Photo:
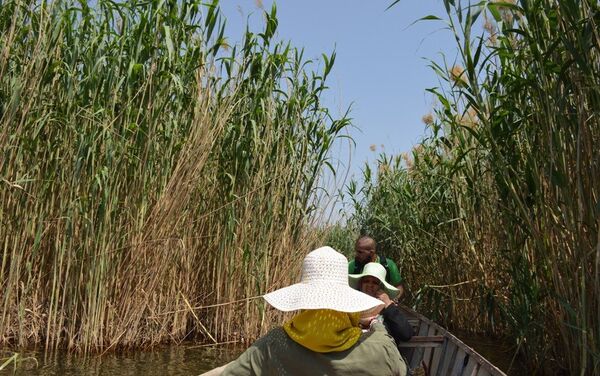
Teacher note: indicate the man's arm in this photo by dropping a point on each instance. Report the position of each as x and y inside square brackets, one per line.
[400, 288]
[395, 277]
[351, 267]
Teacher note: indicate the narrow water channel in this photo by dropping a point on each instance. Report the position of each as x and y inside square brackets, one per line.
[187, 360]
[169, 361]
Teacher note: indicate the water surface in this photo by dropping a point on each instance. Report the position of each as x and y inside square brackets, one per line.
[194, 360]
[173, 360]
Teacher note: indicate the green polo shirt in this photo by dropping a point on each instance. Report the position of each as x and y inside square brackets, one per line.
[393, 274]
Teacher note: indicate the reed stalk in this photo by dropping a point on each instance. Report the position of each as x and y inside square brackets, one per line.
[149, 170]
[494, 216]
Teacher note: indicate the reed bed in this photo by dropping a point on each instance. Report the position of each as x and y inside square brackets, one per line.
[154, 179]
[494, 216]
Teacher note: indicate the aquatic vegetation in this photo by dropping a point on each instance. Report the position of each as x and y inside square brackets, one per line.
[494, 218]
[150, 171]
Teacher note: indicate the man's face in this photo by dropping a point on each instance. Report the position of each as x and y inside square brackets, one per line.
[365, 250]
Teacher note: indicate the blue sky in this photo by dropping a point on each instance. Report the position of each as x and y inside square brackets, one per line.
[381, 68]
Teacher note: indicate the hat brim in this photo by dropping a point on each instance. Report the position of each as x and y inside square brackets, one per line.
[321, 296]
[354, 279]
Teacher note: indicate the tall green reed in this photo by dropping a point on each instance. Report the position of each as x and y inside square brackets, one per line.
[151, 173]
[505, 188]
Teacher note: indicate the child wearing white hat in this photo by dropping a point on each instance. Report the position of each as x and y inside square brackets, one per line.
[372, 282]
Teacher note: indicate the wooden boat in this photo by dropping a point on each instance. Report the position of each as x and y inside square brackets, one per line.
[436, 352]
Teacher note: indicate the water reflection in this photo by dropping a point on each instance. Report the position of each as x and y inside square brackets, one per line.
[173, 360]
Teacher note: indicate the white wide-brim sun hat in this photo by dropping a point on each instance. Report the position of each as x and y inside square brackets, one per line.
[324, 285]
[374, 269]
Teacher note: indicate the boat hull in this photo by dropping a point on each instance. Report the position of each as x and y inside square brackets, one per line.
[439, 353]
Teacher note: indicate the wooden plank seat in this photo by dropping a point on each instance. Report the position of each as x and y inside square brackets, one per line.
[423, 341]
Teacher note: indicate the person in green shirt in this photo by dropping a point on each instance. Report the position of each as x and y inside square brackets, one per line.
[365, 249]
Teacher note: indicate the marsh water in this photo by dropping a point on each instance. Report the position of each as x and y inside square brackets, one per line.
[169, 361]
[188, 360]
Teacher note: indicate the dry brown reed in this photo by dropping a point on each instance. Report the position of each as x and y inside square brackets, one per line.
[496, 224]
[152, 182]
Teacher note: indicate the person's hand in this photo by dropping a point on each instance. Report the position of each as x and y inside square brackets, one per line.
[373, 311]
[365, 322]
[385, 298]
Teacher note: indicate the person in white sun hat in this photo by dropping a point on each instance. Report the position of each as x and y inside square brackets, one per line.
[324, 337]
[372, 282]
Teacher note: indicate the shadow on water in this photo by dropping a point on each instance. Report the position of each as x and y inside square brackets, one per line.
[172, 360]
